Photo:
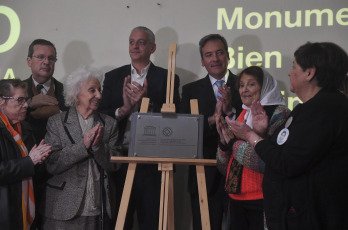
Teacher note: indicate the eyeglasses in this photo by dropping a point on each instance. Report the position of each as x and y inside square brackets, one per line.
[42, 58]
[20, 100]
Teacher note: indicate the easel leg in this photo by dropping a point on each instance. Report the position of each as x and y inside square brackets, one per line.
[203, 198]
[125, 196]
[166, 215]
[160, 221]
[171, 202]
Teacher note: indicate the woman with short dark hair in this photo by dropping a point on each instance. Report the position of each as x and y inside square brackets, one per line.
[17, 203]
[305, 183]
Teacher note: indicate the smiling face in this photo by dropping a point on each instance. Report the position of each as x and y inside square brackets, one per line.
[42, 70]
[215, 58]
[249, 89]
[140, 47]
[90, 95]
[14, 111]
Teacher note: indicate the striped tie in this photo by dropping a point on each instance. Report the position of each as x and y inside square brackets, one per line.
[218, 84]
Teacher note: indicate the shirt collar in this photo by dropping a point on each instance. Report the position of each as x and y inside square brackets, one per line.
[142, 72]
[225, 78]
[46, 85]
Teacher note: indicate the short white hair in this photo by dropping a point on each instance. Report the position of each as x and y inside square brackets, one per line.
[74, 82]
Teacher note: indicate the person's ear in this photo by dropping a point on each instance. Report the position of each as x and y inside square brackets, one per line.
[29, 60]
[2, 101]
[311, 73]
[153, 48]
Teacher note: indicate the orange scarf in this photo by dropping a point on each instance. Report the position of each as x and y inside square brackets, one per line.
[28, 201]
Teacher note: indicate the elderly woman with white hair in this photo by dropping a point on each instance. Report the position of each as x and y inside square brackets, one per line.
[78, 196]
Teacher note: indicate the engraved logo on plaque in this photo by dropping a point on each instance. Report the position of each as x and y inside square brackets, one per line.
[149, 131]
[167, 131]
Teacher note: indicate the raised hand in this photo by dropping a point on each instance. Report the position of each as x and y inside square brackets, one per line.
[93, 136]
[226, 99]
[135, 92]
[260, 119]
[40, 152]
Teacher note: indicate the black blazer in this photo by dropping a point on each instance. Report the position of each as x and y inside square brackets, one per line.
[156, 91]
[13, 169]
[305, 181]
[203, 91]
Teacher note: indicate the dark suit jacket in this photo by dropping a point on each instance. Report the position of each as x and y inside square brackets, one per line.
[39, 125]
[203, 91]
[113, 90]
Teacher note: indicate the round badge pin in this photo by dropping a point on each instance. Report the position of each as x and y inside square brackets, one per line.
[282, 136]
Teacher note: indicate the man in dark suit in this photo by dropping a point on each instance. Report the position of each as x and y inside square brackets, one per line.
[123, 90]
[214, 54]
[45, 92]
[46, 99]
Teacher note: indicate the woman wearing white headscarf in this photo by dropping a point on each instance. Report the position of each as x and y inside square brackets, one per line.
[237, 158]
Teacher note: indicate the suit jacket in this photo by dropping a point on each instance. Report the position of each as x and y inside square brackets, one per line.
[203, 91]
[68, 163]
[39, 125]
[13, 169]
[157, 88]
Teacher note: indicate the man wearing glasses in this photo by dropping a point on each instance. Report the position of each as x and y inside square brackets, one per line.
[45, 92]
[45, 99]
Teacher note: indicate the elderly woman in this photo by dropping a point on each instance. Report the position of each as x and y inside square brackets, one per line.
[237, 158]
[78, 195]
[17, 203]
[305, 182]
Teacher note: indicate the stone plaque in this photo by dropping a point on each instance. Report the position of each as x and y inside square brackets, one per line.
[166, 135]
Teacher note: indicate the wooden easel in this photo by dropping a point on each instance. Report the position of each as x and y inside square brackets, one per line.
[165, 165]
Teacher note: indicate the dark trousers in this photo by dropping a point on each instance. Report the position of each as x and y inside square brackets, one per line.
[246, 215]
[217, 202]
[145, 197]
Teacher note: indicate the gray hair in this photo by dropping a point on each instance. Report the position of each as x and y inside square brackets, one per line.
[150, 34]
[74, 82]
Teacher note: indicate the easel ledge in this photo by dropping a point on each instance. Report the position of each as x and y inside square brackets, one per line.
[147, 160]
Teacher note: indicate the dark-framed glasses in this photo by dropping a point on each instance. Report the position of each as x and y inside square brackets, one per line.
[43, 57]
[20, 100]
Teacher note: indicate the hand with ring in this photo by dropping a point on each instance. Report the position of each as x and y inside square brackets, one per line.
[40, 152]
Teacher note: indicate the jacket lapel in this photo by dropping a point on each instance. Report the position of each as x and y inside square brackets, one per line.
[73, 125]
[210, 96]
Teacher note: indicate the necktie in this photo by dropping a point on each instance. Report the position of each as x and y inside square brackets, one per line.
[218, 84]
[39, 87]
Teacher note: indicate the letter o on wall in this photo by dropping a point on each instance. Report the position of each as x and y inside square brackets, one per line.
[15, 28]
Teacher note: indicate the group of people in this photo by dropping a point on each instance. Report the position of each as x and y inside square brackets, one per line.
[277, 169]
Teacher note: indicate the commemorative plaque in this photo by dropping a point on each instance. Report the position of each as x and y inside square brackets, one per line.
[166, 135]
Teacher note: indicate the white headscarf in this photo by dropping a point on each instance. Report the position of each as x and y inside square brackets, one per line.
[270, 95]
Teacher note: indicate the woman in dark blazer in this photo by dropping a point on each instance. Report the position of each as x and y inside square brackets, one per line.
[80, 192]
[17, 203]
[305, 182]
